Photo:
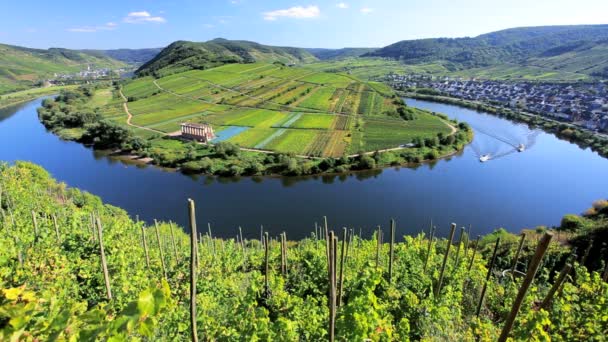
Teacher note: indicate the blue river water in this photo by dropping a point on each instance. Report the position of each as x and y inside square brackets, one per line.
[513, 190]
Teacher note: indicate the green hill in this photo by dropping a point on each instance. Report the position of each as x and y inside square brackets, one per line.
[575, 49]
[129, 56]
[22, 67]
[183, 56]
[329, 54]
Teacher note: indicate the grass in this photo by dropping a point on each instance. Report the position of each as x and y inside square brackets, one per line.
[257, 118]
[252, 137]
[314, 121]
[320, 99]
[101, 98]
[386, 133]
[293, 140]
[140, 88]
[29, 94]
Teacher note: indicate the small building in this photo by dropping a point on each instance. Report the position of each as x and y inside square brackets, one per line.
[199, 132]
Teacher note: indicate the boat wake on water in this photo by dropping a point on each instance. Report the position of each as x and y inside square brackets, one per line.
[516, 144]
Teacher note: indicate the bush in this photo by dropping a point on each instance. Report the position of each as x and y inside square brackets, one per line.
[572, 223]
[367, 162]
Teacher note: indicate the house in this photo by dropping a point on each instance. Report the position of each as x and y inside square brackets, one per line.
[199, 132]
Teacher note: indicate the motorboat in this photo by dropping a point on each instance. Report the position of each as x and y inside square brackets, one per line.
[521, 148]
[484, 158]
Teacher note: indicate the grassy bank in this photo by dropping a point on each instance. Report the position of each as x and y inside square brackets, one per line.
[74, 268]
[10, 99]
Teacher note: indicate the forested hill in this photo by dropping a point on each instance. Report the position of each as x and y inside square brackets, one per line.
[130, 56]
[328, 54]
[22, 67]
[183, 55]
[547, 46]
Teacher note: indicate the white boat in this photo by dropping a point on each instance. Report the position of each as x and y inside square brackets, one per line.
[484, 158]
[521, 148]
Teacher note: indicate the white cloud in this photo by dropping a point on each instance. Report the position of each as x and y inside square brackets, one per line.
[106, 27]
[366, 10]
[143, 17]
[297, 12]
[342, 5]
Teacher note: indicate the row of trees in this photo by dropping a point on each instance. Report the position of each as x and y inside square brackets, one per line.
[68, 111]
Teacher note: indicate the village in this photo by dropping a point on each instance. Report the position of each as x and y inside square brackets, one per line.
[90, 73]
[583, 104]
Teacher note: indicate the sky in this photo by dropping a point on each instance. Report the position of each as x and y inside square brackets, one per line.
[113, 24]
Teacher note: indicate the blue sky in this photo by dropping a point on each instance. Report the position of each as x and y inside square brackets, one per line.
[330, 24]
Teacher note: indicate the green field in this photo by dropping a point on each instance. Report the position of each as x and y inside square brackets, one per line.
[287, 109]
[380, 133]
[30, 94]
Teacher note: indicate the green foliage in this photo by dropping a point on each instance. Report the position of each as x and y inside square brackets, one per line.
[546, 52]
[53, 287]
[182, 56]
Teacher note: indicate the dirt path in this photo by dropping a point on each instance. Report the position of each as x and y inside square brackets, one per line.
[130, 116]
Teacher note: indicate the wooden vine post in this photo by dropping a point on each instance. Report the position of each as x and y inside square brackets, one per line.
[474, 252]
[558, 283]
[145, 243]
[283, 253]
[193, 265]
[391, 252]
[445, 261]
[462, 229]
[326, 236]
[523, 290]
[587, 251]
[104, 264]
[428, 252]
[160, 250]
[516, 259]
[332, 244]
[488, 275]
[266, 268]
[56, 228]
[211, 241]
[35, 222]
[242, 241]
[173, 242]
[342, 260]
[379, 241]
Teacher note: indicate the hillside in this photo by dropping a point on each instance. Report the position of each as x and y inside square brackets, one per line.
[21, 67]
[73, 268]
[574, 49]
[183, 56]
[129, 56]
[330, 54]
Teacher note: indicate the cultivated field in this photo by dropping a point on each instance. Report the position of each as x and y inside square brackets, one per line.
[270, 107]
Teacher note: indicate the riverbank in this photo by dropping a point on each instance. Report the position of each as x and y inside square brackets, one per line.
[363, 198]
[563, 130]
[19, 97]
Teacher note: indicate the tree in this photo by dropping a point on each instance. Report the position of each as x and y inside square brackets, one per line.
[225, 149]
[572, 223]
[367, 162]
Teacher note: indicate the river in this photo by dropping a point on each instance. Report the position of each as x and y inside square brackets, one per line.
[513, 190]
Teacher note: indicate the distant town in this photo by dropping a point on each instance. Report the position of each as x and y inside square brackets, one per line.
[583, 104]
[90, 73]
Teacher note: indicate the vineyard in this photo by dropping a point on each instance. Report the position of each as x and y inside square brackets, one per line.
[72, 268]
[257, 96]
